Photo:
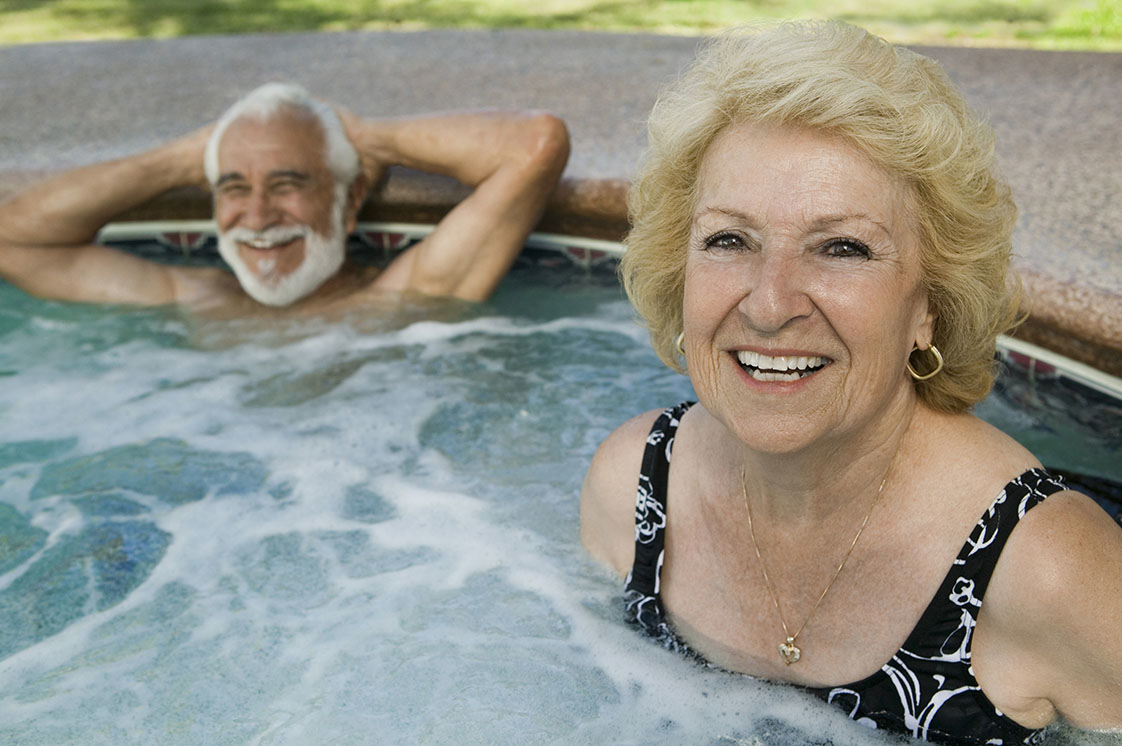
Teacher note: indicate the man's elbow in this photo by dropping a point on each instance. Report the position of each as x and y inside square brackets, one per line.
[547, 143]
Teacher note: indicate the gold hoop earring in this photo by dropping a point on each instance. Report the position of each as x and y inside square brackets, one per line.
[678, 343]
[938, 364]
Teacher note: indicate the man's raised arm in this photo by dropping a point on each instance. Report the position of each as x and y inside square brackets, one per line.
[512, 159]
[47, 231]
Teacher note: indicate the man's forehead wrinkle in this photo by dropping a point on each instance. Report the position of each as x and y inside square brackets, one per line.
[277, 173]
[289, 173]
[299, 119]
[289, 158]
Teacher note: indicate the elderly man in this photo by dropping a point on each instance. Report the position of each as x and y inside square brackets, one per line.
[289, 174]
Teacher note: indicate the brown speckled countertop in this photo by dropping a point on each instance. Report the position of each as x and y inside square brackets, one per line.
[1056, 114]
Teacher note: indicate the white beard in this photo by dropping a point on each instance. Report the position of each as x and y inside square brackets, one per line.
[323, 256]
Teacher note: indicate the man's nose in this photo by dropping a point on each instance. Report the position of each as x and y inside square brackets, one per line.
[260, 211]
[775, 291]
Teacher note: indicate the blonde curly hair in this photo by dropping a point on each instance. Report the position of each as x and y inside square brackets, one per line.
[897, 107]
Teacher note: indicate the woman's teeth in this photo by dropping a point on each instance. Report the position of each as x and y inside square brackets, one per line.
[780, 368]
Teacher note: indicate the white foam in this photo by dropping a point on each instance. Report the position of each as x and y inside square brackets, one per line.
[405, 566]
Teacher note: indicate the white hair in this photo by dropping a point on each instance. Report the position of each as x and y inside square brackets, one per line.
[266, 102]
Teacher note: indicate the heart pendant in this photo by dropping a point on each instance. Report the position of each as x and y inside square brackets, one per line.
[790, 651]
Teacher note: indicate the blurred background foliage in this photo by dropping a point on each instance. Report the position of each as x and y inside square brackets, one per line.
[1037, 24]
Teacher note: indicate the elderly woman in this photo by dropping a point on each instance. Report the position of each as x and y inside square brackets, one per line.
[820, 235]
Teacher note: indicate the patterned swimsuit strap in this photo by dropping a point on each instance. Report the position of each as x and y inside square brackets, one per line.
[650, 501]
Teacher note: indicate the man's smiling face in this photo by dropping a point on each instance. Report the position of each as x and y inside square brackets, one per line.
[278, 207]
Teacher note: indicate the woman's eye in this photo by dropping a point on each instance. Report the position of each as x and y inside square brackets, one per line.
[724, 242]
[846, 247]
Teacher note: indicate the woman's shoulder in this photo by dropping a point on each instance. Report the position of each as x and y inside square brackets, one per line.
[1048, 642]
[628, 440]
[970, 457]
[1057, 547]
[625, 444]
[607, 503]
[1063, 547]
[1041, 648]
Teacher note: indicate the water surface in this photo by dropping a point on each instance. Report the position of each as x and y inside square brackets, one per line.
[335, 533]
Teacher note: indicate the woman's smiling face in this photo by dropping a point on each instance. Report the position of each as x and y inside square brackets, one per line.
[803, 287]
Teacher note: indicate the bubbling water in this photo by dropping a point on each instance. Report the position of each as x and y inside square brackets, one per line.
[323, 533]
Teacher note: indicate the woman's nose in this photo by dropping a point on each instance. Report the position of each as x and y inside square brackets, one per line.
[775, 291]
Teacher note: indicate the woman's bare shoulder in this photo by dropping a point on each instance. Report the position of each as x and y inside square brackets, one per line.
[971, 458]
[607, 505]
[1048, 614]
[1058, 546]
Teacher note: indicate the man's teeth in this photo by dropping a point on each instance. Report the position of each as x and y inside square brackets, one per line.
[780, 368]
[269, 239]
[263, 243]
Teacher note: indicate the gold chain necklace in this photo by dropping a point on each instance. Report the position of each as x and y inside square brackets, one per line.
[788, 650]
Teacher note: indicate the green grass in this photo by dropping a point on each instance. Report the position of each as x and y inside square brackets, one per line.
[1038, 24]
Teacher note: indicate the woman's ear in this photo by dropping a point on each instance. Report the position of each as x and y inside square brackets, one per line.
[925, 331]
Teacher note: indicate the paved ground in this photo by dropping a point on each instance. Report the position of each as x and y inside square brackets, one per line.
[1056, 115]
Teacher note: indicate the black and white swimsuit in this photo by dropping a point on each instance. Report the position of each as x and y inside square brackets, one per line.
[928, 688]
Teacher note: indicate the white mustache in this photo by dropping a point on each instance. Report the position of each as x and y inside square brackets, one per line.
[269, 237]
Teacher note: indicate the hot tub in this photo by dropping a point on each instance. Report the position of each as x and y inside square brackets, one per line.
[365, 531]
